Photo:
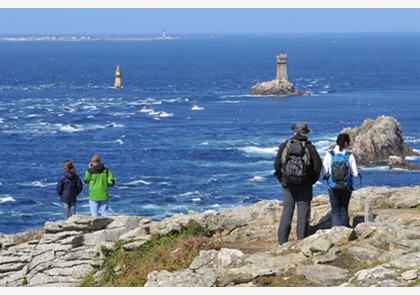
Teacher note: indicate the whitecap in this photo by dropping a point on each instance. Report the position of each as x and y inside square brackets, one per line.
[90, 107]
[38, 183]
[33, 116]
[196, 200]
[6, 198]
[230, 101]
[189, 194]
[259, 150]
[413, 158]
[136, 182]
[119, 141]
[257, 179]
[68, 128]
[377, 168]
[197, 108]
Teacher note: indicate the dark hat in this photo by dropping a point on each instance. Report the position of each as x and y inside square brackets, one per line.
[301, 128]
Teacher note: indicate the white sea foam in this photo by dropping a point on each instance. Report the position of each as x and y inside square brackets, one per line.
[197, 108]
[230, 101]
[259, 150]
[68, 128]
[189, 194]
[38, 183]
[33, 116]
[196, 200]
[119, 141]
[413, 158]
[377, 168]
[136, 182]
[90, 107]
[6, 198]
[257, 179]
[411, 139]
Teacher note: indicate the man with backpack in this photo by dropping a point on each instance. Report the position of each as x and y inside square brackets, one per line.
[297, 167]
[338, 168]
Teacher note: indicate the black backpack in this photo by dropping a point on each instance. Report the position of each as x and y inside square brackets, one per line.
[296, 163]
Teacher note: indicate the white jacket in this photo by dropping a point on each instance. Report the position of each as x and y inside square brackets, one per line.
[326, 163]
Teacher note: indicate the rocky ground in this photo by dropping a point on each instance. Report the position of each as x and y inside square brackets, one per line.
[384, 244]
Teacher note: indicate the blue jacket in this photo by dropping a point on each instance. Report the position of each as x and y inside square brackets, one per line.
[69, 186]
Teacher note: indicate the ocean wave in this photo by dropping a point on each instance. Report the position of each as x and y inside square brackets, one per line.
[90, 107]
[6, 198]
[259, 150]
[38, 183]
[413, 158]
[137, 182]
[70, 128]
[196, 200]
[257, 179]
[189, 194]
[229, 101]
[119, 141]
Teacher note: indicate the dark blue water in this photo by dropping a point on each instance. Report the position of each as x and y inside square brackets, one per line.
[58, 102]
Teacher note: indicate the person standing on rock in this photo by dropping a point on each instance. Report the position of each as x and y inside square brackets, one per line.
[340, 191]
[69, 186]
[99, 178]
[297, 167]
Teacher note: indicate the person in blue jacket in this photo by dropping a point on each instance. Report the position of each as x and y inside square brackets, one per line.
[69, 186]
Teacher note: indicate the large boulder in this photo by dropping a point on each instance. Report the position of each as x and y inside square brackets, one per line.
[377, 140]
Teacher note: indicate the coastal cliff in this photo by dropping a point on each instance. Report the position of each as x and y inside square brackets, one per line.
[384, 242]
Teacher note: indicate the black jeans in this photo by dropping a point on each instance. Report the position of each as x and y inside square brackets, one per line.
[302, 196]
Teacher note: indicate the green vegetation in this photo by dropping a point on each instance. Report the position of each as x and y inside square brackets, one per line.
[171, 252]
[25, 282]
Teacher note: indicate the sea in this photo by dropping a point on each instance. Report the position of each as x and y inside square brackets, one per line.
[183, 134]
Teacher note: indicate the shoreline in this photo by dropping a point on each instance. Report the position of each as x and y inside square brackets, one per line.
[82, 38]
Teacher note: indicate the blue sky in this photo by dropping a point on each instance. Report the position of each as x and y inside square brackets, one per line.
[142, 21]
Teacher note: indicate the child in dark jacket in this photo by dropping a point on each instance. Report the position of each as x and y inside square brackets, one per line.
[69, 186]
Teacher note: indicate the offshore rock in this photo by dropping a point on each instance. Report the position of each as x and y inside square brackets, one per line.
[276, 88]
[378, 140]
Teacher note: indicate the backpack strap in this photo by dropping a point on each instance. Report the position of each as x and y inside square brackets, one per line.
[285, 150]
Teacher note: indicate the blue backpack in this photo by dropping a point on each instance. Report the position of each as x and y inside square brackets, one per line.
[340, 176]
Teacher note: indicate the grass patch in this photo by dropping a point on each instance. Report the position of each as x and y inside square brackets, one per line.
[171, 252]
[288, 278]
[348, 262]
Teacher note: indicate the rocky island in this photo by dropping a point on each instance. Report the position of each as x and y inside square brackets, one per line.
[279, 86]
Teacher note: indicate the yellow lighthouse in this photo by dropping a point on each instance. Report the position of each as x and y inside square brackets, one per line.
[117, 83]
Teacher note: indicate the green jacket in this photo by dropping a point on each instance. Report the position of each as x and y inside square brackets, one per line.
[99, 178]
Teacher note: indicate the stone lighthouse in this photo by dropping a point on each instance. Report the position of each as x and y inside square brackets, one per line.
[282, 67]
[117, 83]
[280, 86]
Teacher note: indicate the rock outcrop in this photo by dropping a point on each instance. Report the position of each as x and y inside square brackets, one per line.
[378, 140]
[385, 237]
[276, 88]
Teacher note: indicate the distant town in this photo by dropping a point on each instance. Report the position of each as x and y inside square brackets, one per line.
[86, 38]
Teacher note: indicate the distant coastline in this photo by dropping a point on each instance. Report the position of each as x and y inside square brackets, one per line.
[83, 38]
